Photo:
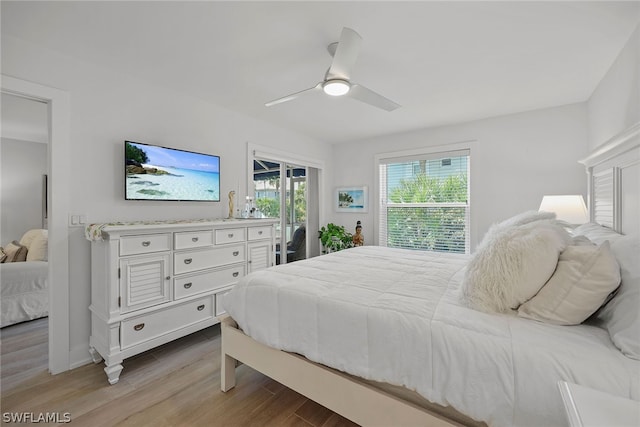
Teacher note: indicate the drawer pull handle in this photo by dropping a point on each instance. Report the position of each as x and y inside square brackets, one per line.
[201, 307]
[236, 253]
[260, 233]
[230, 235]
[188, 260]
[138, 327]
[194, 239]
[235, 274]
[188, 285]
[146, 243]
[168, 277]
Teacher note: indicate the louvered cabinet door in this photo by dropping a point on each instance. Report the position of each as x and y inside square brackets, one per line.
[144, 282]
[259, 255]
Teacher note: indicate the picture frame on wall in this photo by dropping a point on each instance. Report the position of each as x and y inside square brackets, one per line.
[352, 199]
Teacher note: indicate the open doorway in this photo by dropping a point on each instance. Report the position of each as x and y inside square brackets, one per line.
[58, 165]
[23, 235]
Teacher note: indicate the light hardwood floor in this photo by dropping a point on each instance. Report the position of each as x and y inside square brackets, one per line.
[177, 384]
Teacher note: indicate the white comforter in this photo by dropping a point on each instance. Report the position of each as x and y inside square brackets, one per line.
[23, 291]
[393, 316]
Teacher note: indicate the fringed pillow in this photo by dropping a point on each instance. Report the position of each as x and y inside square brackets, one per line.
[512, 263]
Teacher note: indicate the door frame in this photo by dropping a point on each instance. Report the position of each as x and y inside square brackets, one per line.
[267, 153]
[58, 170]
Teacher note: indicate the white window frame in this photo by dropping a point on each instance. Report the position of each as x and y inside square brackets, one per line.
[435, 151]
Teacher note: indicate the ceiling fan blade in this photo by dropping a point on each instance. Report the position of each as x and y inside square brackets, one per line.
[368, 96]
[292, 96]
[345, 56]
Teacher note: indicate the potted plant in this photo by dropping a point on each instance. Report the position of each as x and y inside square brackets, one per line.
[335, 238]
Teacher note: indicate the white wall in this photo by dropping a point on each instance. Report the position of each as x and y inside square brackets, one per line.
[615, 104]
[22, 165]
[108, 107]
[515, 161]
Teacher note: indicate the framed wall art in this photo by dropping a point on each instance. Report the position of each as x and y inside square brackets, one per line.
[351, 199]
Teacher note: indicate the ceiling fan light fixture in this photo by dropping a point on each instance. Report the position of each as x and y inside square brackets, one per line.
[336, 87]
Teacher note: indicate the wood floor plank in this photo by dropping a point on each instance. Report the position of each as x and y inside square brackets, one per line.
[336, 420]
[177, 384]
[313, 413]
[277, 409]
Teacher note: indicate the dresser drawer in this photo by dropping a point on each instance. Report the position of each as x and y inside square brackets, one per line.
[230, 235]
[144, 328]
[193, 239]
[257, 233]
[144, 244]
[208, 281]
[186, 262]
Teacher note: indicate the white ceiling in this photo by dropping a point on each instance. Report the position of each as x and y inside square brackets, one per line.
[444, 62]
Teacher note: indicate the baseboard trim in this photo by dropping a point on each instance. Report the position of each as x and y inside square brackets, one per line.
[79, 356]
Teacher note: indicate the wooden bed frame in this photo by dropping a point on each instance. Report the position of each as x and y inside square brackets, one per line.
[613, 171]
[343, 394]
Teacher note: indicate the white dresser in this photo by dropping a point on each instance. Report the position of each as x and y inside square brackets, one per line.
[154, 282]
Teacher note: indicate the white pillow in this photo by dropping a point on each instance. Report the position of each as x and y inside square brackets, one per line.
[581, 241]
[511, 264]
[621, 315]
[584, 278]
[596, 233]
[38, 250]
[31, 235]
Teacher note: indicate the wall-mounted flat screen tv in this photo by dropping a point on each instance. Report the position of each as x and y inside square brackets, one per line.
[160, 173]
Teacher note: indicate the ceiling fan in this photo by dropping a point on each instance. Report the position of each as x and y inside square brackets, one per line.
[337, 80]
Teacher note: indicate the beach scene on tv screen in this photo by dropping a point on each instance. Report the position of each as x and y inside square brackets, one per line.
[159, 173]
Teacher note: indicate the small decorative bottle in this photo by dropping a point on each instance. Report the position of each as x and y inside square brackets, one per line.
[358, 238]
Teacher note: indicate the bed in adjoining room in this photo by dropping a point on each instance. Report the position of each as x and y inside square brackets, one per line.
[24, 289]
[396, 337]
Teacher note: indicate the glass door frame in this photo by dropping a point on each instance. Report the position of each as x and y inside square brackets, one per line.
[256, 152]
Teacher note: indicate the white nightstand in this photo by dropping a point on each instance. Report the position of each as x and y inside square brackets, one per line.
[586, 407]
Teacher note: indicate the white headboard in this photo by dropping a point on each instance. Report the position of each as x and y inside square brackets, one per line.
[613, 171]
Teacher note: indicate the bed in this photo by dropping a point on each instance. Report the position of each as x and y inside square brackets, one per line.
[385, 336]
[24, 287]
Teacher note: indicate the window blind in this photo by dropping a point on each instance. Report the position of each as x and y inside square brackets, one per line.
[424, 202]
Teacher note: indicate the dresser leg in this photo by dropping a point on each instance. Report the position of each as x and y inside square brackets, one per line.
[113, 372]
[95, 356]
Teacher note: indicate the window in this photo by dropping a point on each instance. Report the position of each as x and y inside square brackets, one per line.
[424, 201]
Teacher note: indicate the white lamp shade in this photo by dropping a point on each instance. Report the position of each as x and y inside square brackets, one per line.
[568, 208]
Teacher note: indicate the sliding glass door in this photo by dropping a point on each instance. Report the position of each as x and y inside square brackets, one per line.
[280, 191]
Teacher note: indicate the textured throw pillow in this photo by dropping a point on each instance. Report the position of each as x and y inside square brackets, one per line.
[15, 252]
[38, 246]
[526, 218]
[3, 255]
[621, 315]
[516, 221]
[584, 278]
[512, 264]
